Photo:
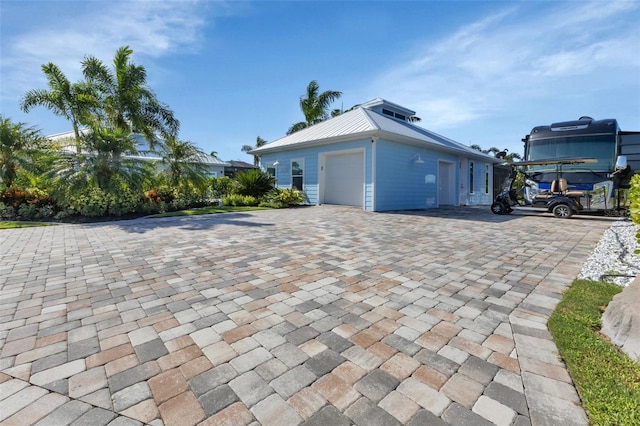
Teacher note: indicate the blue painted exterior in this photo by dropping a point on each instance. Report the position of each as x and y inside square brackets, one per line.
[405, 167]
[403, 184]
[311, 174]
[400, 182]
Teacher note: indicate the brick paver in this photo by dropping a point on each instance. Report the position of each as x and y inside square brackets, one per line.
[320, 315]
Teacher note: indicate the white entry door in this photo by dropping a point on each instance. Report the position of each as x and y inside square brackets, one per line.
[446, 184]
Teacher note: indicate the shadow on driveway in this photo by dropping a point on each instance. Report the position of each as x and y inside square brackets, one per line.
[188, 223]
[484, 214]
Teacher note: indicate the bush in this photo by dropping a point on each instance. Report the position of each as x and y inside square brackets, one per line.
[94, 202]
[272, 204]
[634, 199]
[232, 200]
[239, 200]
[7, 211]
[634, 202]
[248, 200]
[17, 197]
[222, 186]
[288, 197]
[27, 211]
[255, 183]
[123, 202]
[45, 212]
[280, 198]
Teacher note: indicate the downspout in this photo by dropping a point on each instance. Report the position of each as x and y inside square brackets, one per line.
[374, 139]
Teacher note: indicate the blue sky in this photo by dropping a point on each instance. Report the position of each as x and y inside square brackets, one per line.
[478, 72]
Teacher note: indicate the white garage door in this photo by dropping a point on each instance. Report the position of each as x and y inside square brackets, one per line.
[344, 179]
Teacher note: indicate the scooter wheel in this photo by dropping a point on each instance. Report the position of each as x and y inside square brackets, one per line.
[498, 208]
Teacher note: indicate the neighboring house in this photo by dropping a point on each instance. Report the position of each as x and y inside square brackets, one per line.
[214, 166]
[236, 167]
[373, 158]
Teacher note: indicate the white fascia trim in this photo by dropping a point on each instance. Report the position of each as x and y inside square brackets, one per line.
[394, 137]
[319, 142]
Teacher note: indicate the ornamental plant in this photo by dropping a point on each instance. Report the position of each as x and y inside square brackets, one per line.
[634, 203]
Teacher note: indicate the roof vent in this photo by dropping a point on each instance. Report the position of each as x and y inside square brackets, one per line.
[585, 117]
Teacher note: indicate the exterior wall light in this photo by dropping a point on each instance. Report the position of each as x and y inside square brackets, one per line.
[417, 159]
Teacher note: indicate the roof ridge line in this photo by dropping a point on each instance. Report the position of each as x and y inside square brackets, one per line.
[371, 121]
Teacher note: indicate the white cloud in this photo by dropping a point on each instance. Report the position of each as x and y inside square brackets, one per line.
[516, 56]
[150, 28]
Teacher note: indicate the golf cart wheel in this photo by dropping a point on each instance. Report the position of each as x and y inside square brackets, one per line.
[498, 208]
[562, 211]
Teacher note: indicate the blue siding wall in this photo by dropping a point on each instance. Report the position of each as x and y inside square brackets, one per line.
[310, 156]
[401, 184]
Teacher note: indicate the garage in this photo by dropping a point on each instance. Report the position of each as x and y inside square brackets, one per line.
[344, 179]
[375, 158]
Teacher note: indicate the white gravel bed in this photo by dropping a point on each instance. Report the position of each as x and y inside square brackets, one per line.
[614, 255]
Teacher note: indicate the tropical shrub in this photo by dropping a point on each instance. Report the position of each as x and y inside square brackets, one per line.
[123, 203]
[232, 200]
[45, 212]
[634, 201]
[254, 182]
[239, 200]
[222, 186]
[7, 211]
[271, 205]
[160, 195]
[249, 200]
[17, 197]
[279, 198]
[27, 211]
[288, 196]
[95, 202]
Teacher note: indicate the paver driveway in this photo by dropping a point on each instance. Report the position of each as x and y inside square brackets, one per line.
[321, 315]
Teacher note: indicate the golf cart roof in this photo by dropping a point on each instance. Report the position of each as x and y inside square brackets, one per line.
[574, 160]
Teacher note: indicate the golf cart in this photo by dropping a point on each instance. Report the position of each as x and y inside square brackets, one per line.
[560, 198]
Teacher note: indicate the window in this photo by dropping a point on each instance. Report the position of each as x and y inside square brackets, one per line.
[600, 147]
[271, 169]
[297, 174]
[486, 178]
[470, 177]
[394, 114]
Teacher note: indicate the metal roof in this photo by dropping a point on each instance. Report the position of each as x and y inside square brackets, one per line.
[362, 122]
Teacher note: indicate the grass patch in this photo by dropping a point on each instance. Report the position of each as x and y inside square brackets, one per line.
[208, 210]
[13, 224]
[606, 378]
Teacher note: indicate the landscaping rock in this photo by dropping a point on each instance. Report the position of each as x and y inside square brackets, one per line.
[621, 320]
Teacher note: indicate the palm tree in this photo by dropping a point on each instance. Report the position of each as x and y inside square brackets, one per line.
[246, 148]
[125, 99]
[504, 154]
[18, 143]
[71, 101]
[315, 106]
[106, 164]
[182, 163]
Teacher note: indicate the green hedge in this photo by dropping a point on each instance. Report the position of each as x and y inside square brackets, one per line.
[634, 201]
